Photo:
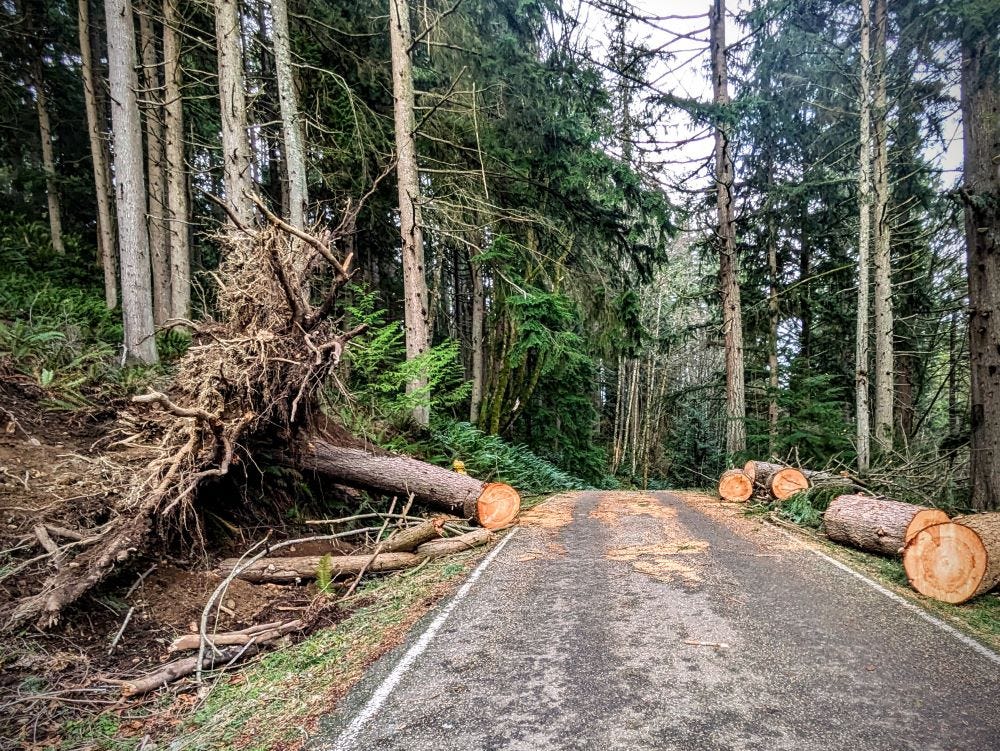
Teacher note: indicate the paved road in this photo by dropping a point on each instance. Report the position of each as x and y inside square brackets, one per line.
[627, 621]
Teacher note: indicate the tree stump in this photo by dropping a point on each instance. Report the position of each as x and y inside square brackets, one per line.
[957, 560]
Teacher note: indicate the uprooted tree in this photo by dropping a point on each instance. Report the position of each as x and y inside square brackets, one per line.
[249, 380]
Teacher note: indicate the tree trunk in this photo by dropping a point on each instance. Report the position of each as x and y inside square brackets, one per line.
[232, 96]
[291, 127]
[158, 248]
[48, 156]
[884, 364]
[95, 125]
[957, 560]
[452, 545]
[735, 486]
[877, 525]
[864, 241]
[772, 330]
[478, 333]
[179, 236]
[491, 505]
[130, 186]
[732, 316]
[775, 480]
[291, 570]
[408, 180]
[981, 193]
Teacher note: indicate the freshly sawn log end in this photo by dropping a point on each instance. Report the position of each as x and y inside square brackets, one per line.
[750, 470]
[497, 506]
[957, 560]
[788, 481]
[735, 486]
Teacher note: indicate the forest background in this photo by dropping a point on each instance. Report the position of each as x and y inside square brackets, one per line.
[599, 242]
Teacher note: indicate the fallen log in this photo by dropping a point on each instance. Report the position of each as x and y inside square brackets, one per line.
[174, 671]
[259, 634]
[450, 545]
[290, 570]
[735, 486]
[877, 525]
[777, 481]
[491, 505]
[409, 539]
[957, 560]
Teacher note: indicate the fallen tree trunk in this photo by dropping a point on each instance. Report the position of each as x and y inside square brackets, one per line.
[450, 545]
[491, 505]
[877, 525]
[289, 570]
[775, 480]
[957, 560]
[409, 539]
[735, 486]
[259, 634]
[820, 479]
[178, 669]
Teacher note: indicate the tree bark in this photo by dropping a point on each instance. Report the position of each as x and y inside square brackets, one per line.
[452, 545]
[877, 525]
[408, 181]
[291, 127]
[130, 187]
[158, 249]
[864, 242]
[290, 570]
[179, 236]
[478, 333]
[95, 126]
[981, 193]
[957, 560]
[732, 316]
[491, 505]
[48, 155]
[884, 360]
[232, 97]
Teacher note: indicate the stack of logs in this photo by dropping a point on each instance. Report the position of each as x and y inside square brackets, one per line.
[771, 482]
[952, 560]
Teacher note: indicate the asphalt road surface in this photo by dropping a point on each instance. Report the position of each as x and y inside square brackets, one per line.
[638, 621]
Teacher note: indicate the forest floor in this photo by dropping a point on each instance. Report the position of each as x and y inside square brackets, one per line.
[54, 690]
[616, 620]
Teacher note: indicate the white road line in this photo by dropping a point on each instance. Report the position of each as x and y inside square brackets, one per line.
[968, 641]
[346, 739]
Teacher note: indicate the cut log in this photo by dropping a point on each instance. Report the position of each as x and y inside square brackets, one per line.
[877, 525]
[778, 482]
[450, 545]
[735, 486]
[750, 470]
[957, 560]
[827, 479]
[491, 505]
[182, 668]
[288, 570]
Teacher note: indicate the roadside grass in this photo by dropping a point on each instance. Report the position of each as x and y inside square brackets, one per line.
[278, 701]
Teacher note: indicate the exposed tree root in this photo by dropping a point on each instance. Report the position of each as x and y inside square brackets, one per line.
[250, 377]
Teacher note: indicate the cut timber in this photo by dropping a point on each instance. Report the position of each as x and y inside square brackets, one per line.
[750, 469]
[777, 481]
[957, 560]
[735, 486]
[287, 570]
[491, 505]
[877, 525]
[827, 479]
[259, 634]
[447, 546]
[174, 671]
